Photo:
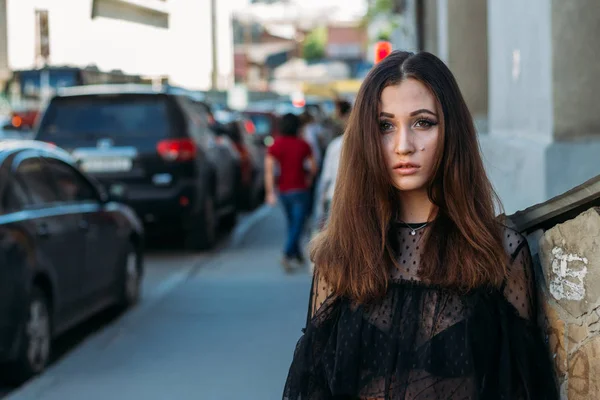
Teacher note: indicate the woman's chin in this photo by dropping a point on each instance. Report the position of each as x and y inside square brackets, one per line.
[409, 184]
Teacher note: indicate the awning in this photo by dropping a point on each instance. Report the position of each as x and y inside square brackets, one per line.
[333, 89]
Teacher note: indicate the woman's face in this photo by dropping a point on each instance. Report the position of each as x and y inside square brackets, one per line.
[410, 130]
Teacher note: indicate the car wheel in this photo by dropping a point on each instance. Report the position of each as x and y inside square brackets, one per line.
[257, 198]
[131, 278]
[203, 234]
[35, 342]
[261, 196]
[243, 199]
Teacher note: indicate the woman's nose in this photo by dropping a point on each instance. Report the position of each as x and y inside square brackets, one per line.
[404, 141]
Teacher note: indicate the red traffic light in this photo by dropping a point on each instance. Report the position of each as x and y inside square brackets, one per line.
[382, 50]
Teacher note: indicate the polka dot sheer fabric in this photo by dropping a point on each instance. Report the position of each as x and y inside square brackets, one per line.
[425, 343]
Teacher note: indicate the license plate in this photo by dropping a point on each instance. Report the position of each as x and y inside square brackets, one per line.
[106, 164]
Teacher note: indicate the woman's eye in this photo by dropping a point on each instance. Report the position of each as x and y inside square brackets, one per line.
[385, 126]
[425, 123]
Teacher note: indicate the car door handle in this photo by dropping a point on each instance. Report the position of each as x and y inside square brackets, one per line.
[43, 231]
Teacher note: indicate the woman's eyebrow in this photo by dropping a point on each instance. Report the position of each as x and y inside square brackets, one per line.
[421, 111]
[412, 114]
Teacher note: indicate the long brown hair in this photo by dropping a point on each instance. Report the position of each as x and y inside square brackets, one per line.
[463, 247]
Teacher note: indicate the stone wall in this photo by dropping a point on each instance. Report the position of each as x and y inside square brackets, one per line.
[569, 282]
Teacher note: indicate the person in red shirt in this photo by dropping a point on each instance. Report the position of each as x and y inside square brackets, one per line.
[292, 154]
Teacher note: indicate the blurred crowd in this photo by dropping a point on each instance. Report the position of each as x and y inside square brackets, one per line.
[304, 160]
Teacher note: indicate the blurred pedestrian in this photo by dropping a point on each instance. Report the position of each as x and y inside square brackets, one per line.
[291, 153]
[310, 133]
[419, 290]
[330, 165]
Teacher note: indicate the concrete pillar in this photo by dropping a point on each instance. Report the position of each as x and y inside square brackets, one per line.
[462, 44]
[429, 26]
[405, 36]
[4, 70]
[575, 72]
[544, 127]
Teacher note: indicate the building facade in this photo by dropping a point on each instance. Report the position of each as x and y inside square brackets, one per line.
[346, 40]
[4, 69]
[529, 73]
[162, 38]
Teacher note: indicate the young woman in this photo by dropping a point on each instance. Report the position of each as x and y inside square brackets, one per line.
[419, 291]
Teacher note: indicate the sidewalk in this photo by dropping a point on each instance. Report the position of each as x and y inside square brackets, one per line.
[227, 332]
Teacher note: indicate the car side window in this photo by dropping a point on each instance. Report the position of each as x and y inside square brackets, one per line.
[201, 111]
[14, 196]
[71, 185]
[34, 179]
[197, 120]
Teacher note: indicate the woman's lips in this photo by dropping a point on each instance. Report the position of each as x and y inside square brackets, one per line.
[406, 168]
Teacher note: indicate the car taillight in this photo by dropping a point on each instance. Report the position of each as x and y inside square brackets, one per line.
[177, 149]
[250, 128]
[17, 121]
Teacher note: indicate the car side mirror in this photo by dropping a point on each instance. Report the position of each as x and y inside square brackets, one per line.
[103, 195]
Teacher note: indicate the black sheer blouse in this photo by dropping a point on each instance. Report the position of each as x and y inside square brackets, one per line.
[426, 343]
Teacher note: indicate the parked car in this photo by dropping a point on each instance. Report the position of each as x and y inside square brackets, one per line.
[156, 150]
[67, 251]
[252, 150]
[12, 127]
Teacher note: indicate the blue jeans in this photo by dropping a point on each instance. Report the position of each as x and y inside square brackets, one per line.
[295, 205]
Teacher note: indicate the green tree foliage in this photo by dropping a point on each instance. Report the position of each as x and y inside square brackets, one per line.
[314, 44]
[379, 7]
[386, 10]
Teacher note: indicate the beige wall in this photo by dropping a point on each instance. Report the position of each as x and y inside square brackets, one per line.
[576, 68]
[468, 51]
[4, 71]
[457, 32]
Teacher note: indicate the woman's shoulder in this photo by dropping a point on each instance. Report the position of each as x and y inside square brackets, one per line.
[513, 241]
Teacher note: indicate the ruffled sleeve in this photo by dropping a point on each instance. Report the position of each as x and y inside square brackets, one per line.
[321, 294]
[532, 374]
[307, 377]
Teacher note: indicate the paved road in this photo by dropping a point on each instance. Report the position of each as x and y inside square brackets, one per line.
[220, 326]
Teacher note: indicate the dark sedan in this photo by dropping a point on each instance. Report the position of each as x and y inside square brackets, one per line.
[66, 252]
[252, 149]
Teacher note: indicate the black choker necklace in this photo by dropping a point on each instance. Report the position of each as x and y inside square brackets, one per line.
[413, 231]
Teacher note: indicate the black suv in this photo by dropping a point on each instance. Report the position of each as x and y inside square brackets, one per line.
[154, 150]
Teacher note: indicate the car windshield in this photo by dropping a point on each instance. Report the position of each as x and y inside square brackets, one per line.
[262, 124]
[112, 116]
